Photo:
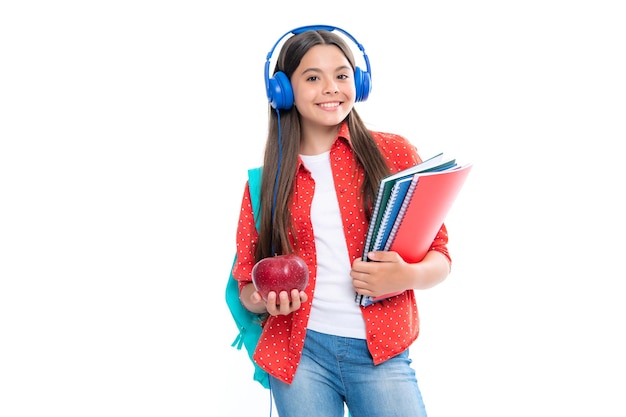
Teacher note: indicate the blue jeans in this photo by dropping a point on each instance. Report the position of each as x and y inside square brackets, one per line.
[336, 370]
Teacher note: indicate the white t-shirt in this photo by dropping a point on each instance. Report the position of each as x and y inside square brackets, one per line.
[333, 310]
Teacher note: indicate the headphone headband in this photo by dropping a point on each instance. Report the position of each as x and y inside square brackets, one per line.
[278, 87]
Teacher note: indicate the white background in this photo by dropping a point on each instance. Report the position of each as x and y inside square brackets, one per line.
[126, 130]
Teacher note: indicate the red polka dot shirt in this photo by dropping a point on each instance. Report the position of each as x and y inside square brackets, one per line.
[391, 326]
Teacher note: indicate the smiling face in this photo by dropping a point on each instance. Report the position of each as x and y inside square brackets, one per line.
[323, 88]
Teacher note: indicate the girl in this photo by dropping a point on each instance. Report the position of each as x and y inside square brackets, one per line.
[322, 165]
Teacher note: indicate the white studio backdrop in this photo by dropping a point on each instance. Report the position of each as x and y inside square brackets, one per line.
[126, 131]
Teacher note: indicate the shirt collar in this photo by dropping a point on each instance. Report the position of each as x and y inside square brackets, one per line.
[344, 133]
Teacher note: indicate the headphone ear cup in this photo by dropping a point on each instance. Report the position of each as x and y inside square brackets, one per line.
[279, 91]
[362, 83]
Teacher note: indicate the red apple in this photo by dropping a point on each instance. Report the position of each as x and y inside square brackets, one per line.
[280, 273]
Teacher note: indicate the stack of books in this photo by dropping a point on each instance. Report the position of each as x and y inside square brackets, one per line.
[410, 208]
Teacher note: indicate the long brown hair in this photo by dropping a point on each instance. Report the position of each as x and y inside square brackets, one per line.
[276, 226]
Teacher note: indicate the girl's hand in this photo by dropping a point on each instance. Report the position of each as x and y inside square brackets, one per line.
[283, 303]
[386, 273]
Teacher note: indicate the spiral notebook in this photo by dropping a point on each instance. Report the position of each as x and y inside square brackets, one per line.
[410, 223]
[394, 204]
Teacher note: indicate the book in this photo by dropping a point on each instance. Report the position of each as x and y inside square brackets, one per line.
[394, 204]
[418, 216]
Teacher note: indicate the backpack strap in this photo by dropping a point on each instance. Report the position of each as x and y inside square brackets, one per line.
[254, 184]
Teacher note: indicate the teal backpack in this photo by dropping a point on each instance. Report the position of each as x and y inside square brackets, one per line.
[247, 322]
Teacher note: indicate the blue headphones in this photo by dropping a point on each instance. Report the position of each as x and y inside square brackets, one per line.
[278, 87]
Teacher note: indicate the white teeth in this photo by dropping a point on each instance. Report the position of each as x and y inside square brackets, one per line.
[329, 105]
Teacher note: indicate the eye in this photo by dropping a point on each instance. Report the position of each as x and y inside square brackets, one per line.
[313, 78]
[343, 77]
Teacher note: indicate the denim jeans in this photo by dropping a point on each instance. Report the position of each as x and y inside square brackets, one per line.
[336, 370]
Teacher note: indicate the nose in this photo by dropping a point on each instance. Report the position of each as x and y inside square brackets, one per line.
[331, 87]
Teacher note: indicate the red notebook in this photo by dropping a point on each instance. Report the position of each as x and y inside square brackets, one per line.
[424, 210]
